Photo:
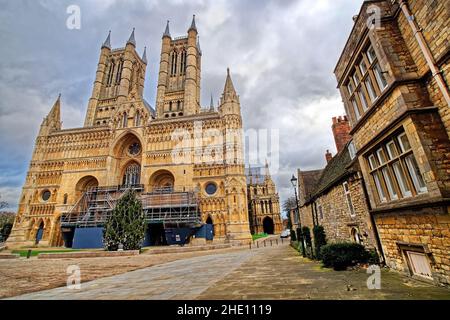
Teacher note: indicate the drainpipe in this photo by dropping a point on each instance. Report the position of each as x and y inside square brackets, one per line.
[437, 74]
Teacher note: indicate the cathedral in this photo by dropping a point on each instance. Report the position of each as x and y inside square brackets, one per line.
[185, 162]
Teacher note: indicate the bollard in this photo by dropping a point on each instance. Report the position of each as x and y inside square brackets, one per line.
[264, 243]
[29, 254]
[271, 243]
[257, 244]
[277, 241]
[282, 240]
[250, 245]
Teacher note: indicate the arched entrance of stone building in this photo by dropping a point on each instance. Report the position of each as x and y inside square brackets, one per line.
[40, 232]
[85, 184]
[162, 180]
[268, 225]
[209, 228]
[131, 174]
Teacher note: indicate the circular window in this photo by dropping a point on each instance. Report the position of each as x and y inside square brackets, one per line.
[46, 195]
[211, 188]
[134, 149]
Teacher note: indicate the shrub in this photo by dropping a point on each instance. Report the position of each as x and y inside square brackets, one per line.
[320, 239]
[126, 225]
[339, 256]
[293, 236]
[373, 257]
[308, 242]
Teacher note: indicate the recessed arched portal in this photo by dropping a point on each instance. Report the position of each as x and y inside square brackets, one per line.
[84, 184]
[268, 225]
[162, 180]
[40, 232]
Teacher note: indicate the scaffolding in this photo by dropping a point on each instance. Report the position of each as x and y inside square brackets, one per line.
[167, 206]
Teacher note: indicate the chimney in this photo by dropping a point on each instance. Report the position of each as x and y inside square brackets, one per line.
[328, 156]
[341, 132]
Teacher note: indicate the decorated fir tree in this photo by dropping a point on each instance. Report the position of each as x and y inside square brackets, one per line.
[126, 225]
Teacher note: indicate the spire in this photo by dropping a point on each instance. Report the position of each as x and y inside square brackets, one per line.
[167, 32]
[132, 39]
[211, 105]
[107, 43]
[229, 87]
[193, 26]
[52, 121]
[144, 55]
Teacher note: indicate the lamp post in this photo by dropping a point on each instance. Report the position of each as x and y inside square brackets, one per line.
[294, 184]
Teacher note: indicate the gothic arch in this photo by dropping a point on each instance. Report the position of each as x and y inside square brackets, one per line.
[131, 173]
[268, 225]
[122, 141]
[84, 184]
[162, 180]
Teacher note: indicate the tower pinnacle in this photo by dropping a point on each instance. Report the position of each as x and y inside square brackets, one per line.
[132, 39]
[107, 43]
[193, 26]
[144, 55]
[167, 31]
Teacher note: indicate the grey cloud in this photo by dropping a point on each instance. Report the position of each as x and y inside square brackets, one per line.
[281, 54]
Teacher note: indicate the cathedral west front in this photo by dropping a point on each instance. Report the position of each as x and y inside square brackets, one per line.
[185, 162]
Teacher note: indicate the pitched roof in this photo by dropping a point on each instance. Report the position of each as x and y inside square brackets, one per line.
[338, 168]
[307, 182]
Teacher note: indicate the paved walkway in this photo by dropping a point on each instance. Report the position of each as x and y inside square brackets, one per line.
[266, 273]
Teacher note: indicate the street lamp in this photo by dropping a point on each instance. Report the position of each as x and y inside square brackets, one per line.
[294, 184]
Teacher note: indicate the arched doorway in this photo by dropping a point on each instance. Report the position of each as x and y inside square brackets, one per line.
[209, 229]
[132, 174]
[268, 225]
[162, 180]
[84, 184]
[40, 232]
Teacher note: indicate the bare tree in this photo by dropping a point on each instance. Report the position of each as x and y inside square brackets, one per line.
[289, 204]
[3, 204]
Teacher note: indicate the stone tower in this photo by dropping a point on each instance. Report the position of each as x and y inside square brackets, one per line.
[178, 91]
[120, 78]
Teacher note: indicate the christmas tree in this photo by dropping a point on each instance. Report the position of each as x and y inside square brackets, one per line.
[126, 225]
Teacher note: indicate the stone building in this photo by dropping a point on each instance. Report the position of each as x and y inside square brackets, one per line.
[334, 197]
[393, 75]
[175, 156]
[263, 203]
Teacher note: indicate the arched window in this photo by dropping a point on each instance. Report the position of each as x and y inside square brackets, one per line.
[137, 119]
[183, 63]
[125, 120]
[179, 105]
[170, 106]
[132, 175]
[173, 70]
[119, 72]
[112, 67]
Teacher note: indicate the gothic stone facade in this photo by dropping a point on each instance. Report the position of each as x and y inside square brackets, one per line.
[263, 203]
[394, 82]
[125, 141]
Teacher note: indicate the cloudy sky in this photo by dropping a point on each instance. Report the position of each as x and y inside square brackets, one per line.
[281, 54]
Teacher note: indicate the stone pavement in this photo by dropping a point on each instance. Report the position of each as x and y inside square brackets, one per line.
[267, 273]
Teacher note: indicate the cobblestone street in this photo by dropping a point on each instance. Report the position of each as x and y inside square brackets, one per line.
[266, 273]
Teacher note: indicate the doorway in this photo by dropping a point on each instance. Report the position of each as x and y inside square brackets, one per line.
[268, 225]
[157, 234]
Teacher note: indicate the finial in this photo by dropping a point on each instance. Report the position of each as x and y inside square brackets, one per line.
[132, 39]
[107, 43]
[193, 26]
[228, 71]
[211, 105]
[167, 31]
[144, 55]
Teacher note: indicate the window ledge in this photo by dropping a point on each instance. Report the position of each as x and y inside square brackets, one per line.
[412, 203]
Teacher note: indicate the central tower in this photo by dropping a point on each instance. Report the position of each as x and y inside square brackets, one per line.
[178, 91]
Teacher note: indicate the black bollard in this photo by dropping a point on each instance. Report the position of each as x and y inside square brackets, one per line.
[29, 254]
